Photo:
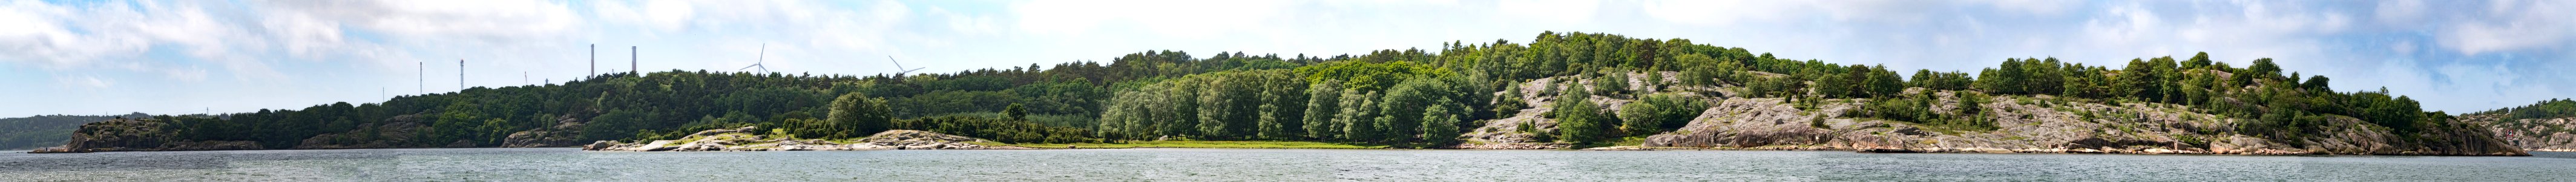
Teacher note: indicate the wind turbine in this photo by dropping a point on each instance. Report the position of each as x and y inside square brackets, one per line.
[898, 65]
[763, 58]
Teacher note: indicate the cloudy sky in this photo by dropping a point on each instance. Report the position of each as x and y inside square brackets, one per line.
[181, 57]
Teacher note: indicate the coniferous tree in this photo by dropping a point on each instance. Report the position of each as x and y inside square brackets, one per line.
[2042, 76]
[2200, 60]
[2004, 79]
[2316, 83]
[1654, 81]
[1577, 120]
[1613, 83]
[2263, 68]
[2143, 82]
[1510, 102]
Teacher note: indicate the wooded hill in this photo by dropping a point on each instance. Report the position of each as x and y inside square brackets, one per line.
[44, 130]
[2545, 125]
[1410, 97]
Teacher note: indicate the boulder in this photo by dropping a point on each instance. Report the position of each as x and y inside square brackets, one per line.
[600, 145]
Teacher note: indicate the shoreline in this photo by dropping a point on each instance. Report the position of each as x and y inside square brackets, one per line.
[1604, 149]
[1608, 148]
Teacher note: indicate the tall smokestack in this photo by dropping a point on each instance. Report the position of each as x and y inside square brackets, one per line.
[460, 75]
[594, 60]
[630, 61]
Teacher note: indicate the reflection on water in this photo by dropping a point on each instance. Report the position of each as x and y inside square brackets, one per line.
[561, 164]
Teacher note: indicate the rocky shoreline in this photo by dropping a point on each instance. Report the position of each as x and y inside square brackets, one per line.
[2023, 124]
[2142, 151]
[742, 139]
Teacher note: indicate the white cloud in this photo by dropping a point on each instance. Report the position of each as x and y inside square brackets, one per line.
[1184, 19]
[91, 82]
[488, 21]
[2038, 7]
[255, 41]
[661, 15]
[2399, 11]
[41, 34]
[1550, 11]
[1713, 12]
[2515, 25]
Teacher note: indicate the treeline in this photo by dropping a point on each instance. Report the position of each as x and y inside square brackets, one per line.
[2545, 109]
[663, 105]
[1366, 99]
[2281, 105]
[1408, 97]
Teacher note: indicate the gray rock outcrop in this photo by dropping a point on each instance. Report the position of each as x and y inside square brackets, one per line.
[741, 139]
[2552, 134]
[1530, 128]
[565, 132]
[2045, 126]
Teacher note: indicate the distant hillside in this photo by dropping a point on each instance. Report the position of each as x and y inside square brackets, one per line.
[2548, 125]
[44, 130]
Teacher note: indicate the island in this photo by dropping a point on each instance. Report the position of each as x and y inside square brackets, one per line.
[1560, 91]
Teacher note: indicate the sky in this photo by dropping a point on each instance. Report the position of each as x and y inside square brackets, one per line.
[190, 56]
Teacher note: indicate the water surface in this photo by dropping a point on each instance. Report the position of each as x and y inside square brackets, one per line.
[563, 164]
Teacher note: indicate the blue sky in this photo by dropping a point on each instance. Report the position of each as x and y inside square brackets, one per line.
[179, 57]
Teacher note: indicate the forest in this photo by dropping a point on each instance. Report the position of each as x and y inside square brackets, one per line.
[1408, 97]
